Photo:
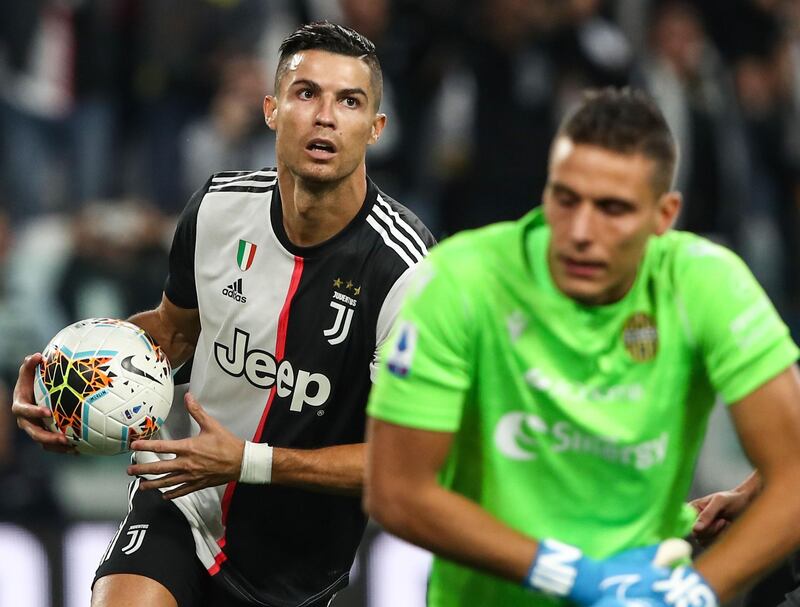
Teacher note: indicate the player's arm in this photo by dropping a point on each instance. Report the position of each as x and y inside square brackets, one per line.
[216, 456]
[175, 329]
[403, 494]
[336, 469]
[768, 423]
[716, 512]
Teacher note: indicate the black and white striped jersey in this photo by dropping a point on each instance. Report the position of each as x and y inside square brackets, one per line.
[285, 356]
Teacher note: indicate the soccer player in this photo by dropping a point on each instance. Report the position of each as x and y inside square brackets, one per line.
[282, 283]
[549, 382]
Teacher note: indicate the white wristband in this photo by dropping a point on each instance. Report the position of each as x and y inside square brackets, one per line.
[256, 464]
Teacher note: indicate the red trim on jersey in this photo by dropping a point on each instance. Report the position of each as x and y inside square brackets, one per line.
[283, 320]
[280, 348]
[280, 344]
[218, 560]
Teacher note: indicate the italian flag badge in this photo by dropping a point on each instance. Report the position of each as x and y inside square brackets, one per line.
[246, 254]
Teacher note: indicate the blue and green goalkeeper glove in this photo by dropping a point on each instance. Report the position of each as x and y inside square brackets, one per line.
[635, 578]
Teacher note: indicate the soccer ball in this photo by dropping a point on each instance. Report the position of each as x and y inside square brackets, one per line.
[106, 382]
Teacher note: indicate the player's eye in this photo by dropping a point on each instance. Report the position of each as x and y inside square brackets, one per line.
[351, 102]
[305, 94]
[564, 199]
[562, 196]
[614, 207]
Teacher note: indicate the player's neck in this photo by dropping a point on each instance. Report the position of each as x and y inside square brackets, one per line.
[314, 212]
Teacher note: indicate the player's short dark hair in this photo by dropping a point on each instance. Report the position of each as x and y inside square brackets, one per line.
[333, 38]
[626, 121]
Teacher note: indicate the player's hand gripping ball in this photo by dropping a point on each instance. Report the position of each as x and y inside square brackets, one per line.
[106, 383]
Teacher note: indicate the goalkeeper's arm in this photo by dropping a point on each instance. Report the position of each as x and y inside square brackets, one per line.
[768, 423]
[402, 493]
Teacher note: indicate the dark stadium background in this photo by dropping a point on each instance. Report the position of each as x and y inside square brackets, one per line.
[113, 111]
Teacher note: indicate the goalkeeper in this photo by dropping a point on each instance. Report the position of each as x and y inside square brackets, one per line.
[553, 378]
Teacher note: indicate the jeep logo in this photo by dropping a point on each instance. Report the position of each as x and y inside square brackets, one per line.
[261, 369]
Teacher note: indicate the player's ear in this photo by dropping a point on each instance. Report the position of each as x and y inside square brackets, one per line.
[669, 205]
[377, 127]
[270, 110]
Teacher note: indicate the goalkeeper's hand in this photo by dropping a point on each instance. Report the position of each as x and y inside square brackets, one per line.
[635, 578]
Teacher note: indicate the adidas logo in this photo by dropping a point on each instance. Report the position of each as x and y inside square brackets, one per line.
[234, 291]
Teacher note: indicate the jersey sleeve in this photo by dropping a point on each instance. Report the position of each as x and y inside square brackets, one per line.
[741, 338]
[425, 370]
[388, 315]
[180, 287]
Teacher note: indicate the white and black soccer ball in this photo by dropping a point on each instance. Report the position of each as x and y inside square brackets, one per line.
[106, 382]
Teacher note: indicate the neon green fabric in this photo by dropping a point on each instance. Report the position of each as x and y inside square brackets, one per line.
[572, 422]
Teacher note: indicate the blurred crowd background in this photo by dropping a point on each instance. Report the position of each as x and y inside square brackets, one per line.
[112, 112]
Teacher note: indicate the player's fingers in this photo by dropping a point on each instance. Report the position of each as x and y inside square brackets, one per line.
[196, 410]
[169, 466]
[713, 531]
[175, 447]
[700, 503]
[709, 513]
[23, 411]
[719, 526]
[168, 480]
[40, 435]
[714, 528]
[184, 489]
[23, 389]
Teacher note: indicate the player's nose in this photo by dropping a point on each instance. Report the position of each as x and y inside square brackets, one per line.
[581, 226]
[325, 112]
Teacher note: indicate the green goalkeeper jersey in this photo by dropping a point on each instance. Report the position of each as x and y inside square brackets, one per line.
[572, 422]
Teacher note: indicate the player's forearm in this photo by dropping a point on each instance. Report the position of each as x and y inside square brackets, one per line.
[764, 534]
[751, 486]
[452, 526]
[338, 469]
[176, 344]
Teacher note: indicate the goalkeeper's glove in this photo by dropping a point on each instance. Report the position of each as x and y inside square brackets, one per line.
[634, 578]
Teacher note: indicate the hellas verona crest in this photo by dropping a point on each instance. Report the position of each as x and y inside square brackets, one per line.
[640, 336]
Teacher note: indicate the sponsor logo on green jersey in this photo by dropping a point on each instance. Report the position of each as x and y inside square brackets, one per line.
[561, 388]
[520, 436]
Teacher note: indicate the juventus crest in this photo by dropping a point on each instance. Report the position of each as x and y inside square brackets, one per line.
[136, 533]
[345, 307]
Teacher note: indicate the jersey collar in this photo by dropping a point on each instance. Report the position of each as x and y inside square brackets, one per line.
[276, 218]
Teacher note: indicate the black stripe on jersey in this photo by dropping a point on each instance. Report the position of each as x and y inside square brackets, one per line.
[259, 180]
[403, 224]
[229, 176]
[222, 174]
[243, 188]
[394, 231]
